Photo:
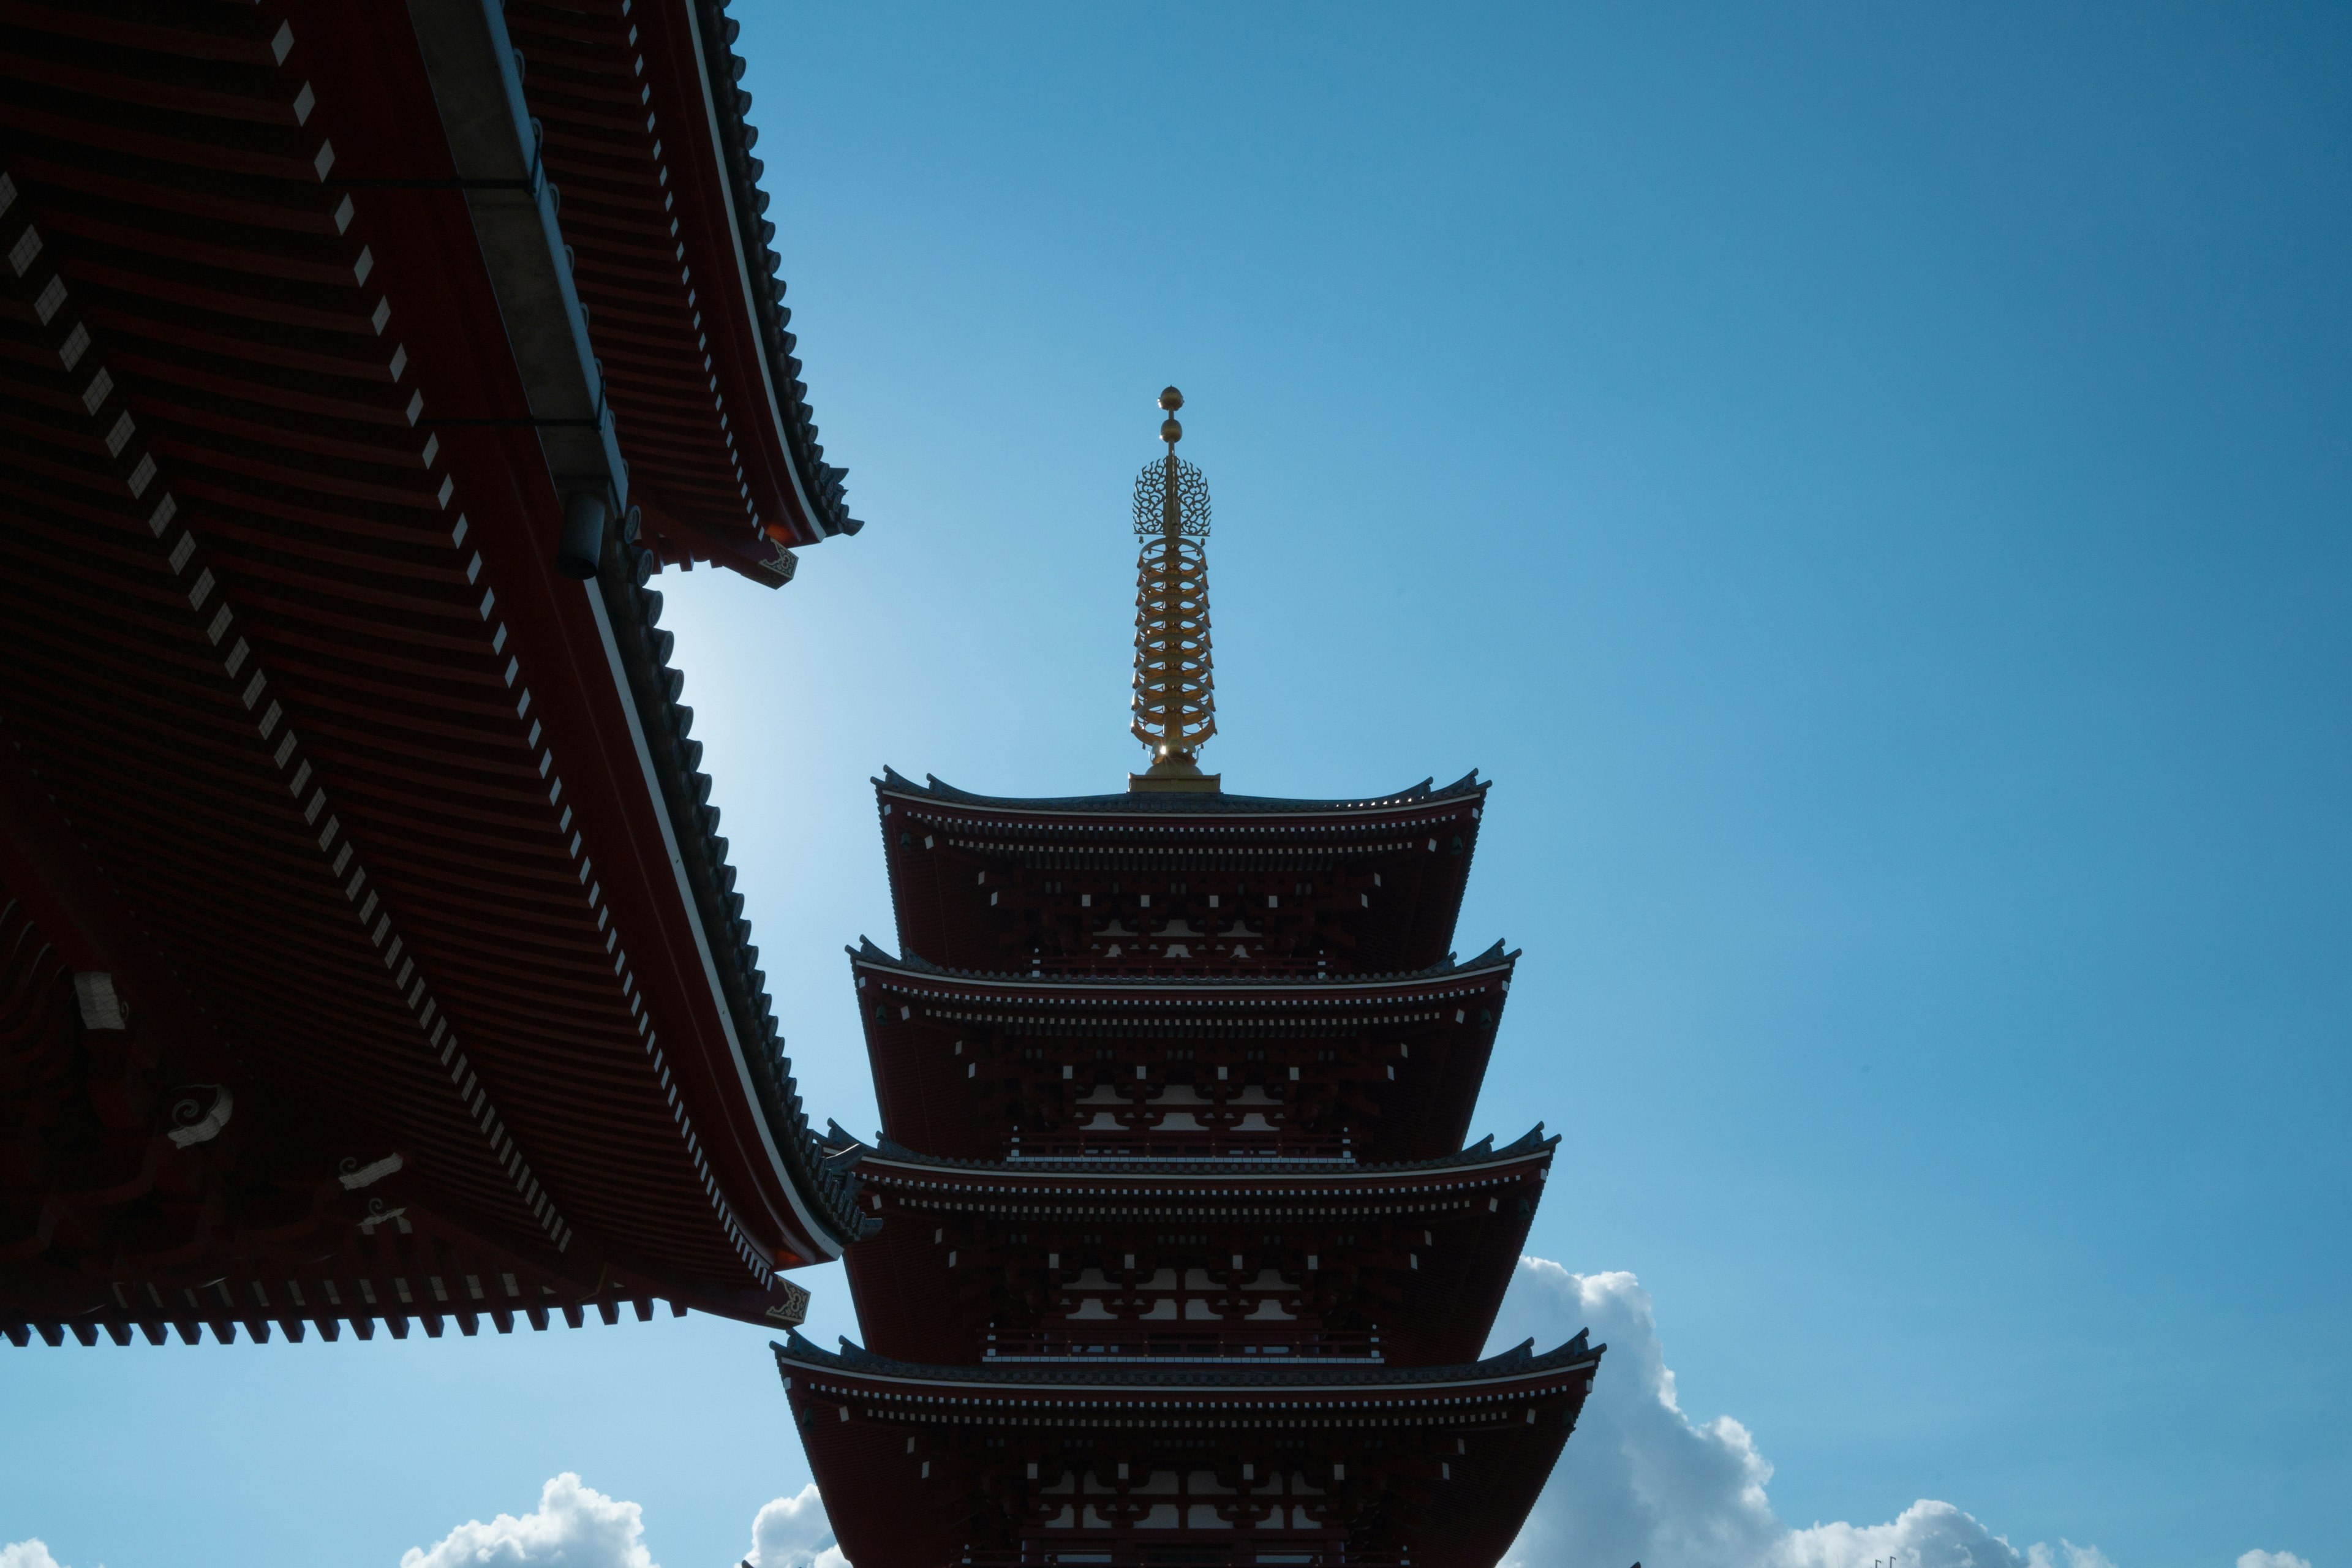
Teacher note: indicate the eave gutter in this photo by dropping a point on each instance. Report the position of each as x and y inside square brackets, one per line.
[494, 144]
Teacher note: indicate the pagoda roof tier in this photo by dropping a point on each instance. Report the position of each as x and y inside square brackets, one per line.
[985, 882]
[1146, 1395]
[1148, 805]
[1383, 1066]
[1181, 1178]
[1134, 1259]
[363, 808]
[1153, 986]
[1437, 1466]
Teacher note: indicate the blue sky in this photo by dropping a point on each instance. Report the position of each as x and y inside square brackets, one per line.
[1870, 484]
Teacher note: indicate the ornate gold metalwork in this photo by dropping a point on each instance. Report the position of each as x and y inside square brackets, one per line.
[1175, 695]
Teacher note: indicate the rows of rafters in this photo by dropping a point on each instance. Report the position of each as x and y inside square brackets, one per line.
[636, 282]
[336, 537]
[703, 442]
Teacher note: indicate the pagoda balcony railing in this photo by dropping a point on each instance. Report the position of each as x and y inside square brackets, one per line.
[1124, 1145]
[1138, 1550]
[1134, 1342]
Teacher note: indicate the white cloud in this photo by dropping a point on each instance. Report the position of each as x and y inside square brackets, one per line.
[35, 1554]
[793, 1532]
[2040, 1556]
[1642, 1482]
[576, 1526]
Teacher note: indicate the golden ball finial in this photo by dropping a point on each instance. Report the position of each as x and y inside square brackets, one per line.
[1171, 432]
[1171, 400]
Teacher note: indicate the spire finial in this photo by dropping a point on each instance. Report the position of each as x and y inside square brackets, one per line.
[1175, 703]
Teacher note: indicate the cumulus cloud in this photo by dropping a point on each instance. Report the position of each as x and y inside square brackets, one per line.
[575, 1526]
[793, 1532]
[1643, 1481]
[35, 1554]
[1640, 1482]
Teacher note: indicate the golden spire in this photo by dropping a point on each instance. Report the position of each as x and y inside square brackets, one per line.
[1175, 697]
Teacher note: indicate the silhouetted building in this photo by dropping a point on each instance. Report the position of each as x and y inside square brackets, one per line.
[369, 950]
[1182, 1257]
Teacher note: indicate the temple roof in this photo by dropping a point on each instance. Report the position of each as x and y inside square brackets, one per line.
[645, 128]
[730, 105]
[868, 954]
[848, 1150]
[635, 613]
[1152, 803]
[1515, 1364]
[411, 777]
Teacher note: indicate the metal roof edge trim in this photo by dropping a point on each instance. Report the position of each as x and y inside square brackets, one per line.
[833, 517]
[826, 1234]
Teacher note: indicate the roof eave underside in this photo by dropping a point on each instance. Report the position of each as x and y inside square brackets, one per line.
[428, 565]
[822, 484]
[815, 1211]
[647, 131]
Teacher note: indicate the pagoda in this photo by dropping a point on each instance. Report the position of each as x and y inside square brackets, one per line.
[1180, 1255]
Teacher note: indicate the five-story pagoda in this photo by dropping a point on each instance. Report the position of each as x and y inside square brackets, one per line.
[1182, 1256]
